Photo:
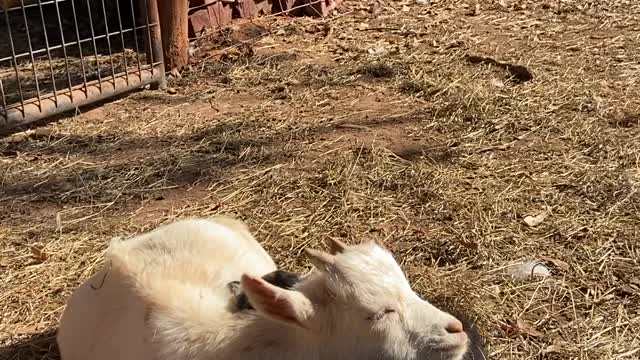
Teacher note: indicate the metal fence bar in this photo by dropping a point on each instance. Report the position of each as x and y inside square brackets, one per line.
[147, 11]
[135, 34]
[64, 50]
[33, 60]
[14, 61]
[39, 51]
[95, 47]
[46, 42]
[124, 52]
[106, 27]
[75, 22]
[3, 101]
[39, 4]
[31, 113]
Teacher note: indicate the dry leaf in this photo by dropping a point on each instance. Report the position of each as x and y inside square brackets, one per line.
[557, 263]
[377, 51]
[384, 229]
[38, 254]
[497, 83]
[5, 262]
[551, 349]
[535, 220]
[471, 245]
[629, 289]
[268, 40]
[25, 330]
[495, 290]
[527, 329]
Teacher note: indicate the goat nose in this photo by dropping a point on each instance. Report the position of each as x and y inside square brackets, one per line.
[454, 327]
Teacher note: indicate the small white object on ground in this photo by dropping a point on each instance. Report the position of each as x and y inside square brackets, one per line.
[536, 220]
[529, 269]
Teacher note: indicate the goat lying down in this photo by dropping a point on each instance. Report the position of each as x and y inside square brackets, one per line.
[165, 297]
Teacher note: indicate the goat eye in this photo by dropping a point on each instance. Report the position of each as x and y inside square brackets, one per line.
[380, 314]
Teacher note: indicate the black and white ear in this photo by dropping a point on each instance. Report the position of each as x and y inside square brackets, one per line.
[290, 307]
[234, 288]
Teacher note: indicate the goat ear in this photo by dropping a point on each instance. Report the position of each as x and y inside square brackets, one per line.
[335, 246]
[321, 260]
[290, 307]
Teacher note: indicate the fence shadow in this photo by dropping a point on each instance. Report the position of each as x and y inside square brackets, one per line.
[40, 346]
[210, 162]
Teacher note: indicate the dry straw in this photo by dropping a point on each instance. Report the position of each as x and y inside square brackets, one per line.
[368, 125]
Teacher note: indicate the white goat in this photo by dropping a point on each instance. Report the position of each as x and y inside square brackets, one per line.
[165, 297]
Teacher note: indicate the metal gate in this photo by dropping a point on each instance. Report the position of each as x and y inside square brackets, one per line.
[58, 55]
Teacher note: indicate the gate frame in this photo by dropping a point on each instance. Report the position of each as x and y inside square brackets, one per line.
[26, 112]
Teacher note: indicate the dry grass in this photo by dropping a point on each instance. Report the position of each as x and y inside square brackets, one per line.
[306, 133]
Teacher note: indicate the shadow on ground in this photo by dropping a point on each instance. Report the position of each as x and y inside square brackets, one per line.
[40, 346]
[171, 160]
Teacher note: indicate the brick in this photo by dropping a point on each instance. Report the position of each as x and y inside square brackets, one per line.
[221, 13]
[305, 7]
[252, 8]
[291, 7]
[213, 15]
[200, 20]
[319, 7]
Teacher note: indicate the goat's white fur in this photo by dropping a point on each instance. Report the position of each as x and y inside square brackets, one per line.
[165, 298]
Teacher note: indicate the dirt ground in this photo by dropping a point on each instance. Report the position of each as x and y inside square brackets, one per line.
[375, 123]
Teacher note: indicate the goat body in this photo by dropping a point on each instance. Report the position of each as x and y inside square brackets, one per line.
[176, 268]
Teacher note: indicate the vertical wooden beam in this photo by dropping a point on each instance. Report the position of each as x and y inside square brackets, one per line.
[153, 42]
[174, 22]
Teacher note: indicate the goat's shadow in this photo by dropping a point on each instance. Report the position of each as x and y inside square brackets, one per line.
[39, 346]
[477, 344]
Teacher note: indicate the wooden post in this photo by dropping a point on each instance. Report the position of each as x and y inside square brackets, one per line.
[174, 23]
[153, 42]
